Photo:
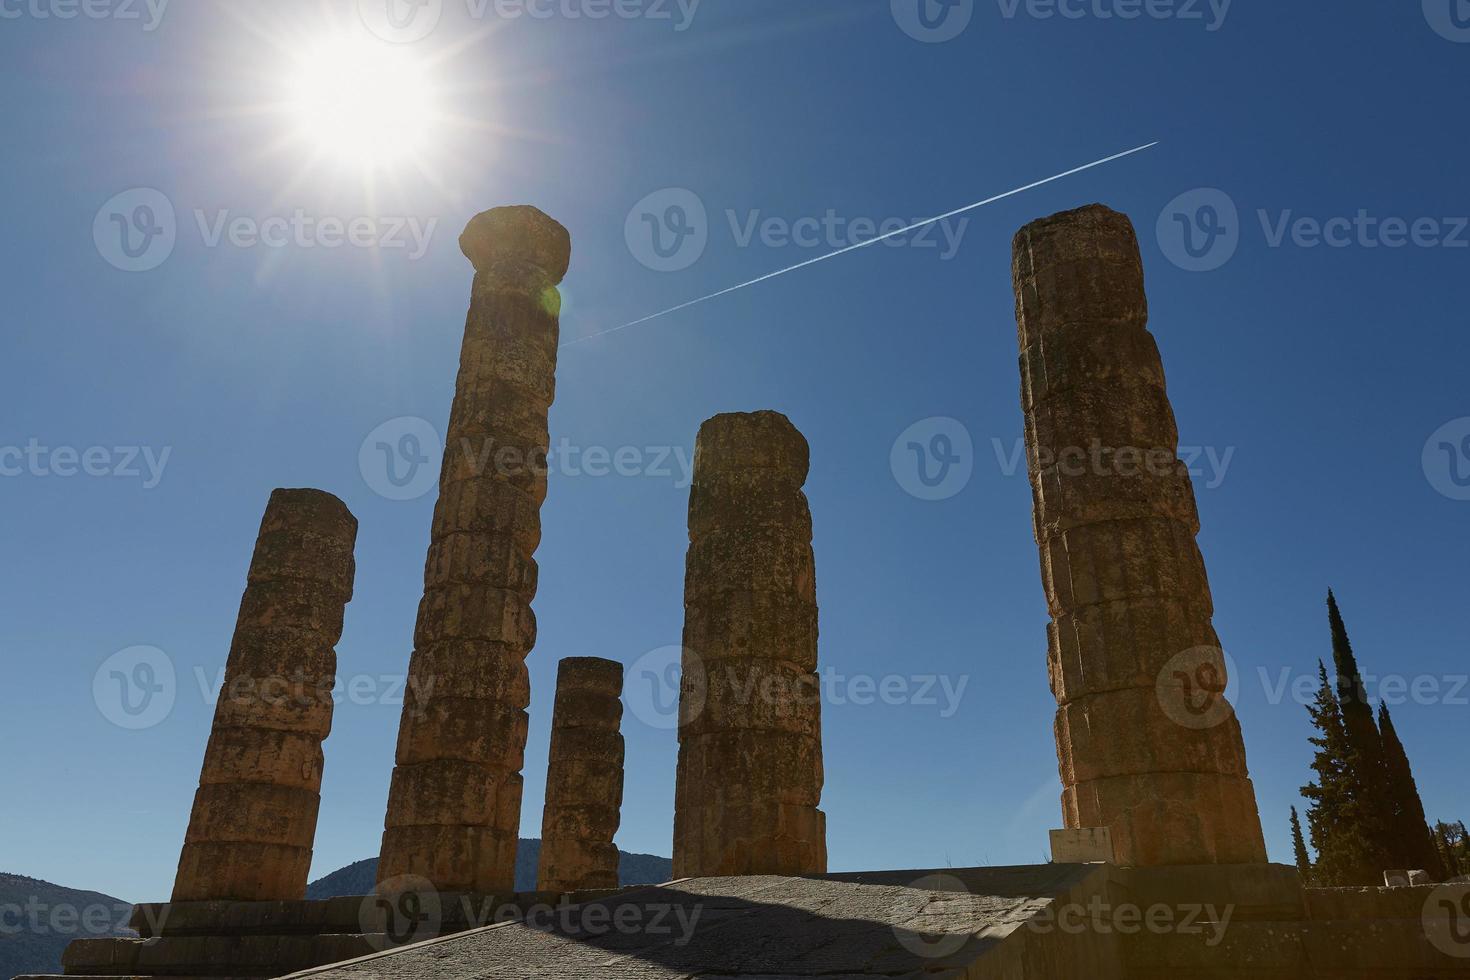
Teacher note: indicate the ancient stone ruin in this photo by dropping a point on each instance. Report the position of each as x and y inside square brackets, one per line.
[584, 778]
[254, 820]
[454, 809]
[750, 725]
[1149, 747]
[1151, 754]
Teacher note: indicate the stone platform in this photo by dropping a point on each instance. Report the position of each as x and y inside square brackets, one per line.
[239, 940]
[1042, 922]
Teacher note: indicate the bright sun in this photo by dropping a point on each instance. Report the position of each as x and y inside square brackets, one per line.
[366, 105]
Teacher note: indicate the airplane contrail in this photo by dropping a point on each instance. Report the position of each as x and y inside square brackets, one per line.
[864, 244]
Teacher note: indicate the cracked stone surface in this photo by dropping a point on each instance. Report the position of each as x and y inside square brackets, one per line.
[253, 823]
[584, 778]
[1148, 744]
[880, 924]
[750, 715]
[454, 809]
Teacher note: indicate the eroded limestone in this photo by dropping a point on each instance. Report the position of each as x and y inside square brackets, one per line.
[584, 778]
[254, 818]
[454, 807]
[1149, 746]
[750, 755]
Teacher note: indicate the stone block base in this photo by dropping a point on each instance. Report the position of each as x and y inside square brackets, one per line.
[238, 940]
[1046, 922]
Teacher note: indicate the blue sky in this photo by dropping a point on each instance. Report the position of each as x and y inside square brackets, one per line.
[1318, 375]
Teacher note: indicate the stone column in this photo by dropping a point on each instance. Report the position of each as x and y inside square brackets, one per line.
[750, 725]
[254, 819]
[584, 778]
[454, 809]
[1148, 744]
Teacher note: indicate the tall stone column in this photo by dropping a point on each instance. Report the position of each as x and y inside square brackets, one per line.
[1148, 744]
[750, 724]
[454, 809]
[584, 778]
[254, 819]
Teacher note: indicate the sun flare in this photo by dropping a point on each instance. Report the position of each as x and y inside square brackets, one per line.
[365, 105]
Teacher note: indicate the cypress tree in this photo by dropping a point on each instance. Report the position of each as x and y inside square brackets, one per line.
[1415, 839]
[1445, 841]
[1299, 848]
[1344, 855]
[1454, 845]
[1377, 812]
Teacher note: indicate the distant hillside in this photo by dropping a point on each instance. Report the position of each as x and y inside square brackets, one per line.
[38, 919]
[359, 878]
